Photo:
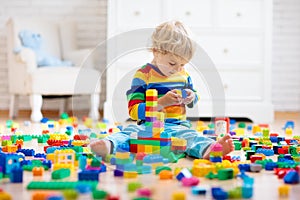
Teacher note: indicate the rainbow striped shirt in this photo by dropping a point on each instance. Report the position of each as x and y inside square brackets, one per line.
[150, 77]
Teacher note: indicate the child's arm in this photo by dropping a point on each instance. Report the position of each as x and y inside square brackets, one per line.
[136, 97]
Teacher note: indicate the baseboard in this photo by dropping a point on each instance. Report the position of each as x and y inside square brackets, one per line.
[25, 114]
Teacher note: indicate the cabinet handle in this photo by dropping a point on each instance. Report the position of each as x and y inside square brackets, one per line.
[188, 13]
[225, 86]
[238, 14]
[137, 13]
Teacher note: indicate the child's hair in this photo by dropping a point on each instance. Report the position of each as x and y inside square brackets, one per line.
[173, 37]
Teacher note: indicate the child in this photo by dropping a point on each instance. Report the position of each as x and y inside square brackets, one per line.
[172, 48]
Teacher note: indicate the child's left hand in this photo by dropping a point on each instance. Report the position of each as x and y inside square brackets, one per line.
[190, 97]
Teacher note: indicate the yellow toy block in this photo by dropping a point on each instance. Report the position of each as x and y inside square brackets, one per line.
[57, 166]
[122, 155]
[289, 132]
[284, 190]
[130, 174]
[155, 149]
[50, 156]
[256, 128]
[179, 195]
[151, 92]
[160, 116]
[239, 131]
[178, 142]
[148, 149]
[11, 149]
[5, 196]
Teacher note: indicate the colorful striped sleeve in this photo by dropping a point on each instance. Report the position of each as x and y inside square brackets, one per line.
[136, 96]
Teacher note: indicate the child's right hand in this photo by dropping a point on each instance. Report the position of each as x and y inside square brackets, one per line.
[170, 98]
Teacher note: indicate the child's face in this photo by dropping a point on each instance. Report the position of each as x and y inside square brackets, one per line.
[168, 63]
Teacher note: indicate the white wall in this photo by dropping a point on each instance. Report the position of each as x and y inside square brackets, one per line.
[91, 17]
[286, 55]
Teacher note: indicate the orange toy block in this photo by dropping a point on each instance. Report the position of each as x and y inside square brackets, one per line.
[38, 171]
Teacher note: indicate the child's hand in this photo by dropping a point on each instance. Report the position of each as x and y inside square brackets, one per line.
[190, 97]
[170, 98]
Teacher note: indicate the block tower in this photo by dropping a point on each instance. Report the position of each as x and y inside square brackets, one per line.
[153, 140]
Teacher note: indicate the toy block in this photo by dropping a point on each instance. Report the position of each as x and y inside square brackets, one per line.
[183, 173]
[59, 185]
[161, 168]
[156, 149]
[16, 175]
[100, 194]
[145, 134]
[151, 103]
[38, 171]
[178, 195]
[188, 182]
[196, 190]
[283, 190]
[60, 173]
[165, 174]
[5, 196]
[225, 174]
[148, 149]
[133, 186]
[86, 175]
[292, 177]
[57, 166]
[144, 192]
[122, 155]
[151, 92]
[133, 148]
[26, 152]
[130, 174]
[140, 148]
[118, 172]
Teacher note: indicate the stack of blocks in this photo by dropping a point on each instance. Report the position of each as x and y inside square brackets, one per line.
[153, 140]
[216, 153]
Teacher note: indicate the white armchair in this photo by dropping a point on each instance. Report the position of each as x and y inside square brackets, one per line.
[26, 78]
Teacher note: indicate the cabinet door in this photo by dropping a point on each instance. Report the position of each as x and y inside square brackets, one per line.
[239, 13]
[194, 13]
[133, 14]
[233, 49]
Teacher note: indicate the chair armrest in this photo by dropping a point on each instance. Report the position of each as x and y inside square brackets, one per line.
[81, 57]
[27, 56]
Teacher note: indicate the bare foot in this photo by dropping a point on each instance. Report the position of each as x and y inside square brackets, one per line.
[227, 146]
[101, 148]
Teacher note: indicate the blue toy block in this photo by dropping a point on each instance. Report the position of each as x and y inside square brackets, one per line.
[130, 167]
[47, 163]
[274, 139]
[26, 152]
[165, 143]
[218, 193]
[184, 173]
[215, 159]
[165, 135]
[118, 172]
[280, 138]
[270, 166]
[44, 120]
[145, 134]
[16, 175]
[88, 175]
[113, 161]
[208, 132]
[197, 190]
[55, 197]
[267, 152]
[40, 155]
[247, 191]
[8, 162]
[82, 162]
[288, 157]
[244, 167]
[149, 159]
[183, 94]
[102, 168]
[292, 177]
[289, 124]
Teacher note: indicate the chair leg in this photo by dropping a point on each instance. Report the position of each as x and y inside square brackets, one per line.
[94, 112]
[13, 107]
[36, 102]
[63, 106]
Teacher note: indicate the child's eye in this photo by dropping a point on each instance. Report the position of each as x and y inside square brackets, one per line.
[172, 64]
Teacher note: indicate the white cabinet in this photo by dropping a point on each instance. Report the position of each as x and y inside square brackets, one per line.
[235, 34]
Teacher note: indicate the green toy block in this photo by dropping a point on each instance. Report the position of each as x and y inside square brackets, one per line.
[225, 174]
[145, 142]
[123, 161]
[211, 126]
[100, 194]
[235, 193]
[139, 163]
[61, 173]
[96, 162]
[9, 123]
[42, 139]
[161, 168]
[133, 186]
[64, 116]
[59, 185]
[210, 175]
[293, 150]
[237, 145]
[242, 125]
[13, 139]
[165, 151]
[172, 158]
[249, 153]
[6, 143]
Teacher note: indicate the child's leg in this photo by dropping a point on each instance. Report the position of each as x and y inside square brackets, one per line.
[110, 144]
[198, 145]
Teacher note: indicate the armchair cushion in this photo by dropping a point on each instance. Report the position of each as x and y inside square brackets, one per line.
[34, 41]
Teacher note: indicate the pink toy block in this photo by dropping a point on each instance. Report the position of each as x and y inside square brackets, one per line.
[192, 181]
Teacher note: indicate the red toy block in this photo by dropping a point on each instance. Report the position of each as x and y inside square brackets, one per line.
[254, 158]
[133, 148]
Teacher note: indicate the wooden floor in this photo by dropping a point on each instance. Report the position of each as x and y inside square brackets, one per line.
[265, 186]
